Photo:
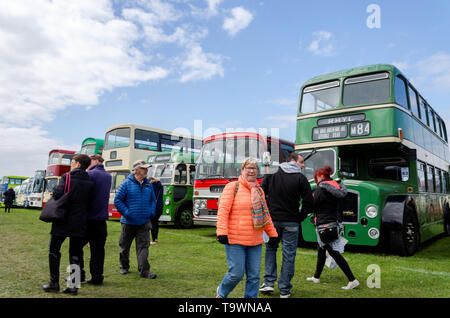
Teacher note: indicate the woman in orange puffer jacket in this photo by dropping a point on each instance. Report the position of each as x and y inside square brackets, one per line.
[241, 219]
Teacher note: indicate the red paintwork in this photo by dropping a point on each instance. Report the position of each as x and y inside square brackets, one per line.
[113, 213]
[57, 170]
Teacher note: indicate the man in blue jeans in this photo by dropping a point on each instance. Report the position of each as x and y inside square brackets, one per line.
[283, 190]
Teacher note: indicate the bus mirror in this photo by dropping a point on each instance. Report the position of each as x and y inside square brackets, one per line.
[266, 158]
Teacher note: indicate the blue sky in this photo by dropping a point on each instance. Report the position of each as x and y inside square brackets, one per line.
[72, 69]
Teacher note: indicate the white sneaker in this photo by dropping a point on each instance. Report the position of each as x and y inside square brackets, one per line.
[352, 284]
[313, 279]
[266, 289]
[217, 292]
[285, 295]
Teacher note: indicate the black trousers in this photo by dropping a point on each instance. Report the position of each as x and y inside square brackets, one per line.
[8, 206]
[155, 227]
[97, 234]
[75, 254]
[340, 260]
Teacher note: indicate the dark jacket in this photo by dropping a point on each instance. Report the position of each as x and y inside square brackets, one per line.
[9, 195]
[78, 206]
[135, 201]
[102, 187]
[159, 192]
[283, 191]
[327, 198]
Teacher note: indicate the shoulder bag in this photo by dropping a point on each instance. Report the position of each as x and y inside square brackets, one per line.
[55, 210]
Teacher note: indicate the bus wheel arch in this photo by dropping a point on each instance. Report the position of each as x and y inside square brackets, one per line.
[400, 225]
[184, 218]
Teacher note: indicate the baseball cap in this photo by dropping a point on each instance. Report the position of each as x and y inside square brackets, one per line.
[140, 164]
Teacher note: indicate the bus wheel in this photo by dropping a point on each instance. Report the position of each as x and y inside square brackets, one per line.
[184, 218]
[405, 242]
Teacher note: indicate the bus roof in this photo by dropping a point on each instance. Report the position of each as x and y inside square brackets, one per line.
[353, 72]
[69, 152]
[93, 140]
[242, 135]
[17, 177]
[159, 130]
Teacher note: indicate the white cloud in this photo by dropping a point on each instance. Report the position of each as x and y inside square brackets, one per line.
[211, 10]
[239, 20]
[200, 65]
[62, 53]
[323, 44]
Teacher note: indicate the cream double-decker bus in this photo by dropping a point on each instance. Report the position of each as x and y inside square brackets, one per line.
[126, 143]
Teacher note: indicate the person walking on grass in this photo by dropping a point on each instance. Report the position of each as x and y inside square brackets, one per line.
[284, 189]
[241, 219]
[96, 223]
[74, 225]
[136, 201]
[327, 195]
[9, 196]
[158, 188]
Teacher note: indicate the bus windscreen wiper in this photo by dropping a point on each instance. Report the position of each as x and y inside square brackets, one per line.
[312, 153]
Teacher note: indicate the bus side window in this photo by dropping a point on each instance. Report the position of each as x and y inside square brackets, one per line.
[181, 174]
[444, 182]
[421, 177]
[413, 101]
[437, 180]
[430, 181]
[191, 174]
[400, 92]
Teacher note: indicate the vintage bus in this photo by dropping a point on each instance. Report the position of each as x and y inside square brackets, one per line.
[36, 194]
[92, 146]
[22, 194]
[126, 143]
[9, 182]
[58, 164]
[176, 171]
[220, 162]
[389, 147]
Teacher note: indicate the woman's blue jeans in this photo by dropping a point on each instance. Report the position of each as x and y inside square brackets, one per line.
[242, 259]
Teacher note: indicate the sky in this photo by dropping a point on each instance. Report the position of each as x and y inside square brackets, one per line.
[71, 69]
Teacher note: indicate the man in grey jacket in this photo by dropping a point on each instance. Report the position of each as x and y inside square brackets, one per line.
[283, 190]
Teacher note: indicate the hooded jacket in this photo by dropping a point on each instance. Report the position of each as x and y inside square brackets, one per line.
[135, 201]
[284, 189]
[327, 198]
[9, 195]
[102, 187]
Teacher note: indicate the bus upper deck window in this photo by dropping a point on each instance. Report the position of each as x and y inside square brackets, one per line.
[400, 92]
[366, 89]
[320, 97]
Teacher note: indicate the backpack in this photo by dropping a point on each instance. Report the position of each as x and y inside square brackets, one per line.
[236, 187]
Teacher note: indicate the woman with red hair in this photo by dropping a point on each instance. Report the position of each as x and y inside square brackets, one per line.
[327, 195]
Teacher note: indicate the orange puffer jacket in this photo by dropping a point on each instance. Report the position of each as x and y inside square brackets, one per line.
[234, 217]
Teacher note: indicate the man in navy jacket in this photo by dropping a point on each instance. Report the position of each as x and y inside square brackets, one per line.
[136, 201]
[97, 217]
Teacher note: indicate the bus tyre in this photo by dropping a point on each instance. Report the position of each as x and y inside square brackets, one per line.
[406, 242]
[184, 218]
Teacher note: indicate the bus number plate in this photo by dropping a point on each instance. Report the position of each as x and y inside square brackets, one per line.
[360, 129]
[330, 132]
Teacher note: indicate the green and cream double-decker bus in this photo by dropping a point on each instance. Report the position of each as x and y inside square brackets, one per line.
[175, 171]
[126, 143]
[389, 147]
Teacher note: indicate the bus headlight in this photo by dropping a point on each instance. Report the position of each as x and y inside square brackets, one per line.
[374, 233]
[167, 202]
[168, 211]
[371, 211]
[203, 204]
[196, 212]
[197, 204]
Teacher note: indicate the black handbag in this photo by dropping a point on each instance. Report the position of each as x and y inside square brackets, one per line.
[55, 210]
[328, 233]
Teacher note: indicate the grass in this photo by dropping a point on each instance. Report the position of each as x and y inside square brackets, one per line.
[191, 264]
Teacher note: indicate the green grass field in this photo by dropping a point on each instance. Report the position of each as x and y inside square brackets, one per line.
[191, 264]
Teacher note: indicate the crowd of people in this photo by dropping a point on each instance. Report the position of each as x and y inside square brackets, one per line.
[249, 216]
[248, 211]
